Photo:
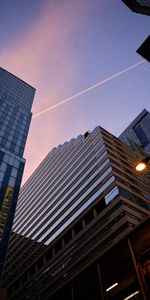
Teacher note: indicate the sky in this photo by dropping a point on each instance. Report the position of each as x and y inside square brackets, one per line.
[64, 47]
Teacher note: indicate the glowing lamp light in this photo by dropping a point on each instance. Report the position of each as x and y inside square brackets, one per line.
[132, 295]
[141, 165]
[112, 286]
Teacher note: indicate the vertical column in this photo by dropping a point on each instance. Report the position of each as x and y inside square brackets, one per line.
[100, 282]
[137, 271]
[72, 291]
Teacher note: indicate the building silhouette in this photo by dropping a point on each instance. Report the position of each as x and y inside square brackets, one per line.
[16, 99]
[138, 132]
[75, 214]
[139, 6]
[142, 7]
[144, 49]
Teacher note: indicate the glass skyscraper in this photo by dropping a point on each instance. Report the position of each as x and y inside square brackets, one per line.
[138, 131]
[16, 98]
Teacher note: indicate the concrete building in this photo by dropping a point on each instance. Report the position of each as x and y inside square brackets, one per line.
[16, 99]
[138, 131]
[83, 200]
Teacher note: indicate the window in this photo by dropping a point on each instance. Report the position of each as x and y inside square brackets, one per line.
[49, 254]
[75, 215]
[32, 270]
[89, 217]
[58, 246]
[3, 167]
[78, 227]
[40, 263]
[24, 277]
[111, 195]
[11, 181]
[1, 176]
[14, 172]
[68, 237]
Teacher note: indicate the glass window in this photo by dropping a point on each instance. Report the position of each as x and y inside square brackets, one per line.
[16, 163]
[64, 200]
[110, 196]
[11, 182]
[11, 161]
[6, 158]
[16, 149]
[8, 144]
[3, 167]
[77, 213]
[14, 172]
[1, 176]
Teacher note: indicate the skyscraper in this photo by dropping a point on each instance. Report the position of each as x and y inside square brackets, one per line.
[144, 49]
[139, 6]
[142, 7]
[138, 131]
[82, 200]
[16, 99]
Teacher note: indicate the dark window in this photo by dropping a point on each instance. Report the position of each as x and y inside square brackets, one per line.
[49, 254]
[89, 217]
[68, 237]
[58, 246]
[86, 134]
[24, 277]
[32, 270]
[10, 290]
[40, 263]
[100, 206]
[78, 227]
[17, 284]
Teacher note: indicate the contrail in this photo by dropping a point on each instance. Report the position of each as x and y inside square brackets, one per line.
[88, 89]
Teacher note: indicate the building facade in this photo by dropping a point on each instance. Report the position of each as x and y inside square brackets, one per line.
[16, 99]
[139, 6]
[82, 200]
[138, 131]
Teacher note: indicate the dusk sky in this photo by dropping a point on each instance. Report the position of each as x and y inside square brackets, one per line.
[62, 47]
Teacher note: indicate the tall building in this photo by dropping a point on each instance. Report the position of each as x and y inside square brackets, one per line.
[139, 6]
[82, 201]
[138, 131]
[144, 49]
[16, 99]
[142, 7]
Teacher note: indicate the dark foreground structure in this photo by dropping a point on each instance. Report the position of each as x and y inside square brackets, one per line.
[139, 6]
[16, 98]
[144, 49]
[73, 234]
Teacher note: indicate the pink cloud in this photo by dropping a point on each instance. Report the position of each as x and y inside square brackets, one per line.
[44, 58]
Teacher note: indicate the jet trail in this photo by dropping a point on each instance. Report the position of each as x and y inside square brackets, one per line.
[88, 89]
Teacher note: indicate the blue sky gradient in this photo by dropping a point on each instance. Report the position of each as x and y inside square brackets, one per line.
[64, 46]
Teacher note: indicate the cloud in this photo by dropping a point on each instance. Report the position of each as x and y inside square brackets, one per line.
[44, 58]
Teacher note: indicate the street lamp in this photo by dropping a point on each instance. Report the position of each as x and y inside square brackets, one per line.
[142, 165]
